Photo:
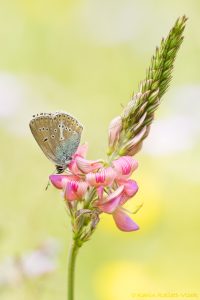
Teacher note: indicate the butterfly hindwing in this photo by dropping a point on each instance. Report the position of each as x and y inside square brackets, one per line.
[58, 135]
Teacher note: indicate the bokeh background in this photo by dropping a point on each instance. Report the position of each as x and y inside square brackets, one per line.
[87, 57]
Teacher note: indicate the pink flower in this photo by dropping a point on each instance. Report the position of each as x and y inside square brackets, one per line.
[103, 177]
[80, 165]
[87, 166]
[80, 153]
[110, 184]
[60, 180]
[130, 189]
[74, 188]
[110, 204]
[113, 205]
[124, 166]
[123, 221]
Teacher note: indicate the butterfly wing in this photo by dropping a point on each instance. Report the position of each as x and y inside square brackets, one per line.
[58, 135]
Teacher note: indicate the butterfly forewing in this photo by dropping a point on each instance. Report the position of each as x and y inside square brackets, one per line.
[58, 135]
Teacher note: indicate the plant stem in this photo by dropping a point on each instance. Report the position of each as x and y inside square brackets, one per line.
[71, 269]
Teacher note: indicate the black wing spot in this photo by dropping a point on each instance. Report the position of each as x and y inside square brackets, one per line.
[52, 136]
[45, 140]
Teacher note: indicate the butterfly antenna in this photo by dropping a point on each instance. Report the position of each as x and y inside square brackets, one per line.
[47, 186]
[48, 183]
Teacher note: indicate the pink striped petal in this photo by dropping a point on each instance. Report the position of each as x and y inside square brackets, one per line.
[59, 181]
[123, 221]
[112, 202]
[104, 177]
[124, 166]
[100, 190]
[82, 189]
[73, 167]
[69, 193]
[87, 166]
[75, 190]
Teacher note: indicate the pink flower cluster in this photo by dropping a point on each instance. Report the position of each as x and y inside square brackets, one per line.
[110, 184]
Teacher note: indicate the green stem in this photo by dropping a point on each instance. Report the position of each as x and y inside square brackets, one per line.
[71, 269]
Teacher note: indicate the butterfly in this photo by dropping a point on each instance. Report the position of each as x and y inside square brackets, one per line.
[58, 135]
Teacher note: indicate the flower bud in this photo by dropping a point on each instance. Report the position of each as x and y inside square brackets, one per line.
[135, 144]
[114, 131]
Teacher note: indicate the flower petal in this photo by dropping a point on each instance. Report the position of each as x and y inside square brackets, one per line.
[124, 166]
[100, 190]
[87, 166]
[123, 221]
[114, 131]
[112, 202]
[82, 150]
[130, 187]
[104, 177]
[69, 193]
[82, 189]
[75, 190]
[58, 180]
[73, 167]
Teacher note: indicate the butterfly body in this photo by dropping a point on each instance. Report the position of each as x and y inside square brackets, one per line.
[58, 135]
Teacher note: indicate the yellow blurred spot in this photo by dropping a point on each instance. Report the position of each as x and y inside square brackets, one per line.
[120, 280]
[150, 197]
[46, 9]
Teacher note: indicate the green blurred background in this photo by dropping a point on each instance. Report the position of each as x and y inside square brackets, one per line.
[87, 57]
